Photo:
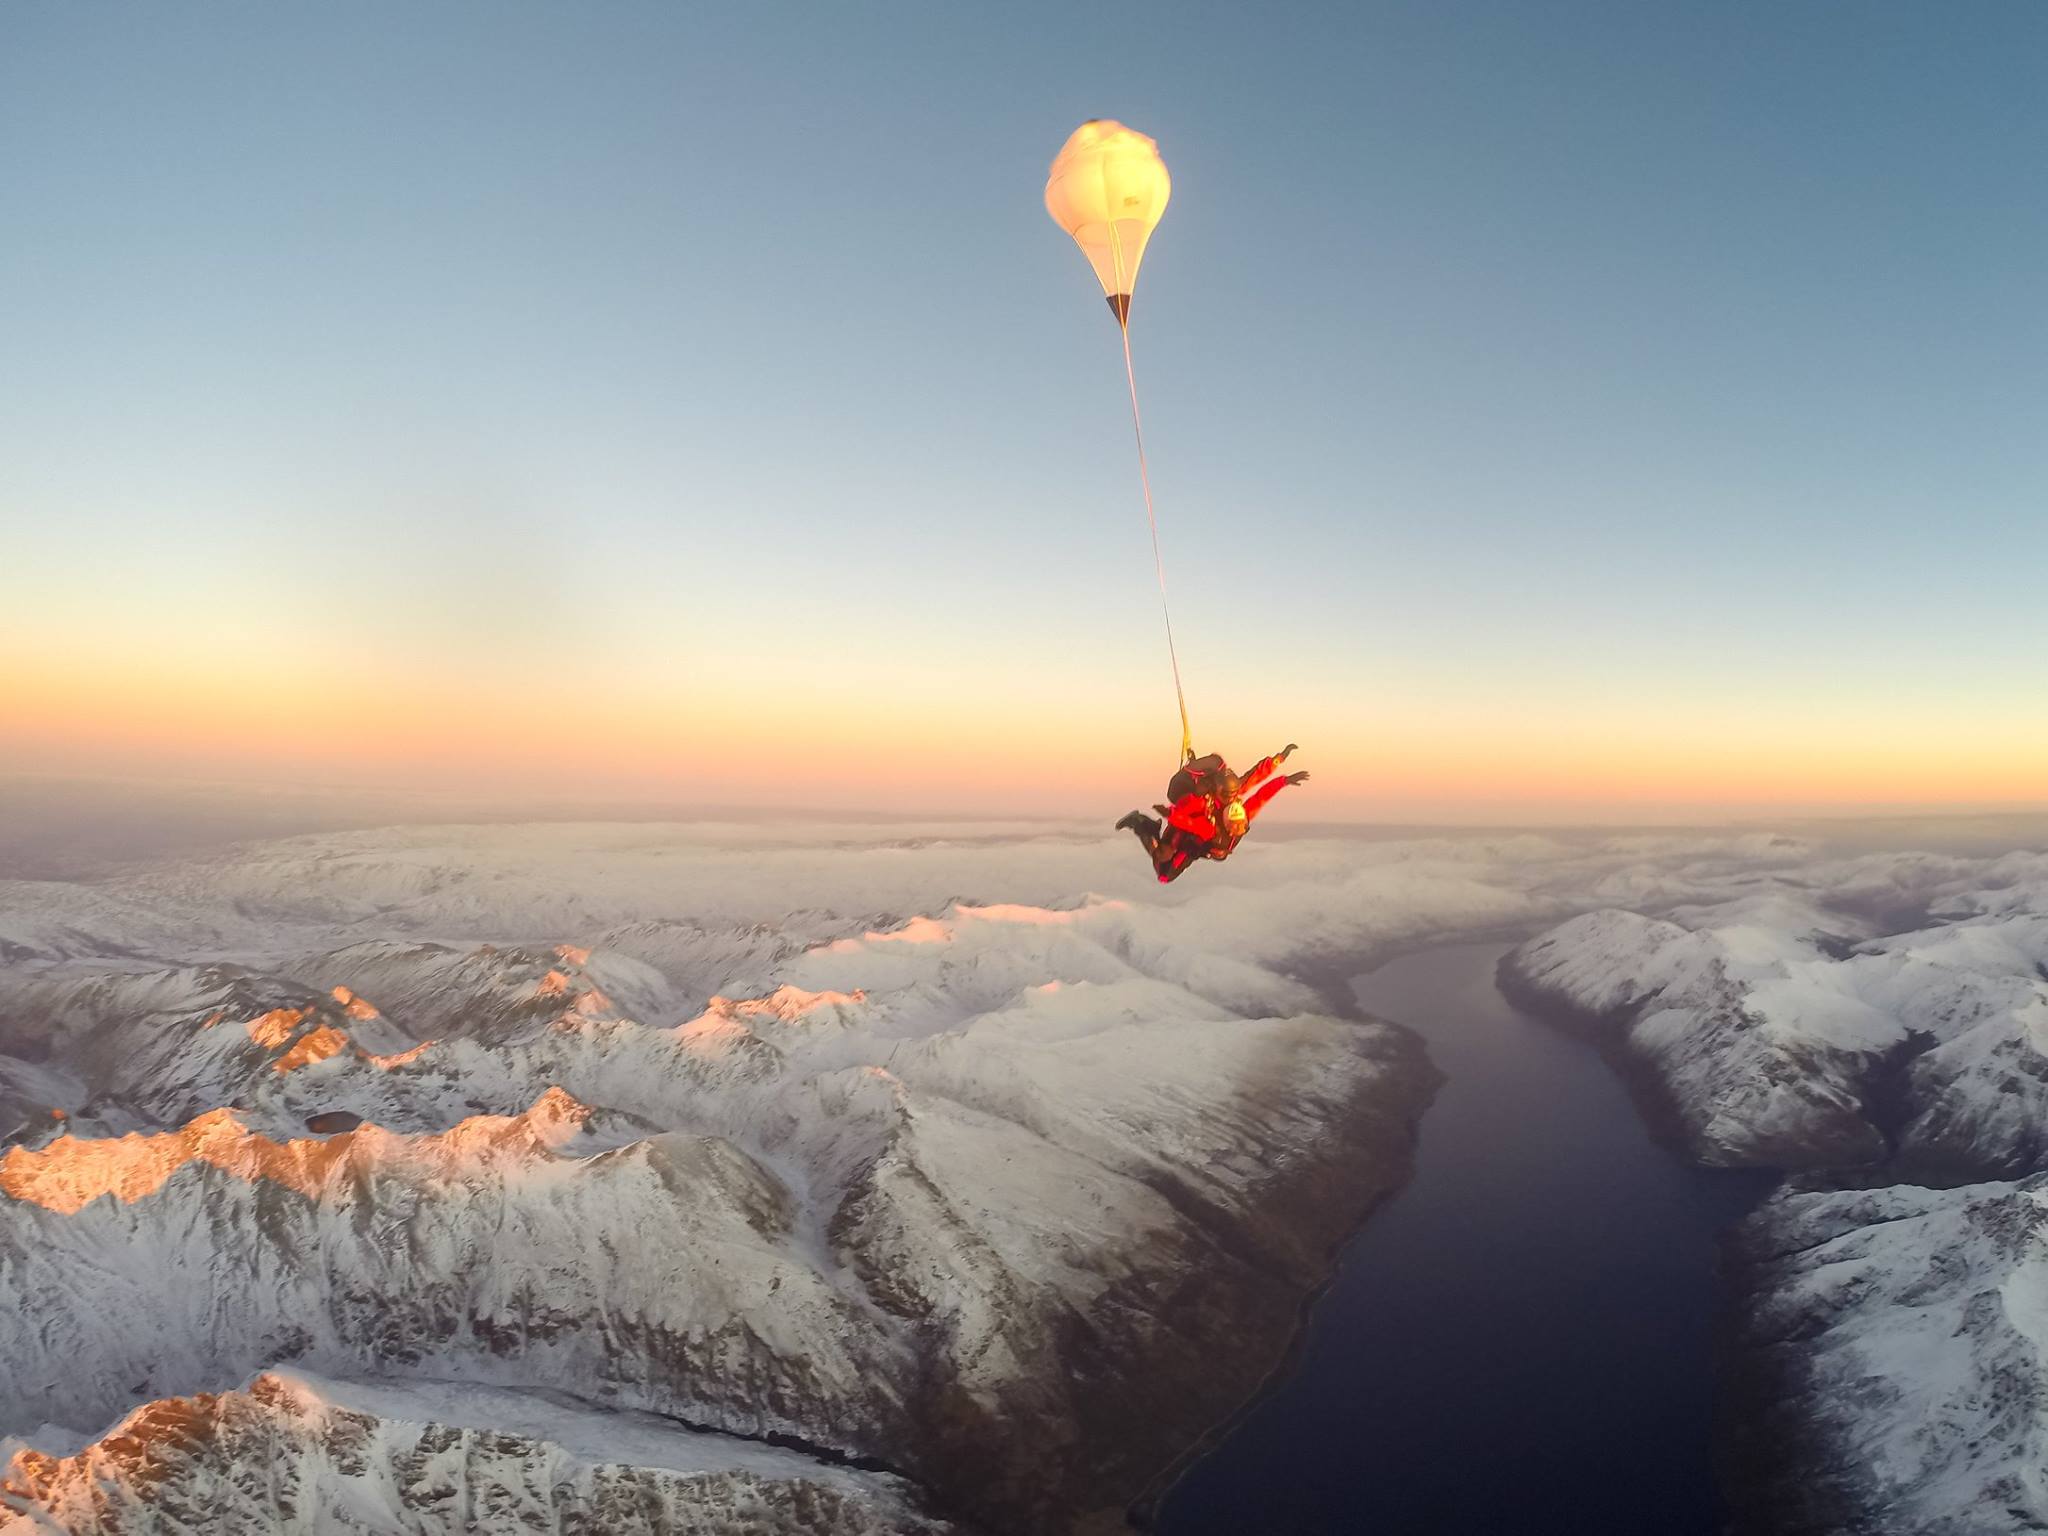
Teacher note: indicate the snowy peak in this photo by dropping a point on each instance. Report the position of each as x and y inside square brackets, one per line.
[332, 1455]
[1780, 1028]
[790, 1005]
[72, 1171]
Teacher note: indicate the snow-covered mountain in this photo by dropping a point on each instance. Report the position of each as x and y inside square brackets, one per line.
[497, 1176]
[975, 1157]
[1882, 1024]
[1888, 1008]
[1893, 1360]
[292, 1452]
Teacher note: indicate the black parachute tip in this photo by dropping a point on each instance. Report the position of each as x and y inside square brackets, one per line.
[1120, 306]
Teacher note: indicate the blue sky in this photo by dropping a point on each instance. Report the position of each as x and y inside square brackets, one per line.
[1605, 360]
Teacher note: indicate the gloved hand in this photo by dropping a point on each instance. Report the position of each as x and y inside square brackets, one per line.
[1298, 778]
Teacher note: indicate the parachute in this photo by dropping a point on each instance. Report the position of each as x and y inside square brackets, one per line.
[1108, 189]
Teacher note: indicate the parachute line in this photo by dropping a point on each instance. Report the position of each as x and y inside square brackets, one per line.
[1187, 740]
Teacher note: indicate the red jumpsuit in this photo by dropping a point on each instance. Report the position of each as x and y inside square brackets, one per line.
[1196, 815]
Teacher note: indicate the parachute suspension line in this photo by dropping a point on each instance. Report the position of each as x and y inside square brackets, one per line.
[1123, 325]
[1108, 186]
[1187, 740]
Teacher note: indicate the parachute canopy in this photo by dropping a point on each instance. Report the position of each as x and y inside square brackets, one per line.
[1108, 188]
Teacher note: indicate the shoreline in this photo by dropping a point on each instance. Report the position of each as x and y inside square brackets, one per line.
[1332, 981]
[1142, 1513]
[1239, 1477]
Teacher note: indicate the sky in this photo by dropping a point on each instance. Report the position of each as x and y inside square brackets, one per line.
[1570, 412]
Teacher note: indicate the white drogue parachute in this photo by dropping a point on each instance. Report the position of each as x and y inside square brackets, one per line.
[1108, 189]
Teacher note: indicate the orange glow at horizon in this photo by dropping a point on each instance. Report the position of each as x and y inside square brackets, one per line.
[815, 741]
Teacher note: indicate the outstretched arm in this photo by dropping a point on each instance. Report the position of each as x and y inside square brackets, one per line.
[1253, 804]
[1262, 770]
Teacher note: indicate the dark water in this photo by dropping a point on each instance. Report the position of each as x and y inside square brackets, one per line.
[1521, 1341]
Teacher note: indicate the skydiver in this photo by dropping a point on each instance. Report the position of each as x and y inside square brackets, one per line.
[1210, 813]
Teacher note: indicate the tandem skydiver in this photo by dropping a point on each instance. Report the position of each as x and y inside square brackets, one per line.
[1211, 809]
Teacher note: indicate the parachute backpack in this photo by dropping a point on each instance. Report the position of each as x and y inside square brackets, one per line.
[1197, 776]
